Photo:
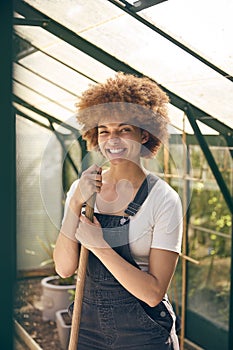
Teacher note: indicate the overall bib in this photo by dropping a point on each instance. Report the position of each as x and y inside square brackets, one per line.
[112, 318]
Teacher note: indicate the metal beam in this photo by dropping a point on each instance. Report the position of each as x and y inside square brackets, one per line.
[210, 159]
[136, 6]
[66, 152]
[54, 120]
[28, 22]
[112, 62]
[24, 115]
[23, 103]
[42, 95]
[132, 13]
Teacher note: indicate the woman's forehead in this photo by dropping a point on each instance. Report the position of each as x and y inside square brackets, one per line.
[106, 124]
[116, 120]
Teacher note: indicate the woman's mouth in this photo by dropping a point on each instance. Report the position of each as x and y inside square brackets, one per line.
[115, 151]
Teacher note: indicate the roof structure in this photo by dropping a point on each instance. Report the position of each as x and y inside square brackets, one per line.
[186, 49]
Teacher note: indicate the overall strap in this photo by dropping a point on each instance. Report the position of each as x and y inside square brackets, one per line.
[142, 194]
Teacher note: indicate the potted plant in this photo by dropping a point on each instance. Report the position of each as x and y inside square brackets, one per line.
[55, 295]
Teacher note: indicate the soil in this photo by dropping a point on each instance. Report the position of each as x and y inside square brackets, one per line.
[28, 313]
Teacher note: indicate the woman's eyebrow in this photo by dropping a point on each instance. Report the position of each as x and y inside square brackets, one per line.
[104, 126]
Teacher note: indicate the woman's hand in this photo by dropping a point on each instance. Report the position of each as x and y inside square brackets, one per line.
[90, 182]
[90, 234]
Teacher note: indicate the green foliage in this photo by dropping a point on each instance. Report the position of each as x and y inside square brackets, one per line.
[208, 209]
[209, 239]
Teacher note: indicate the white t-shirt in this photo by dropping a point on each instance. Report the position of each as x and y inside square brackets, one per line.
[157, 224]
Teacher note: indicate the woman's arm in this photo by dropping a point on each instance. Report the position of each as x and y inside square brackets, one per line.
[149, 287]
[66, 251]
[66, 256]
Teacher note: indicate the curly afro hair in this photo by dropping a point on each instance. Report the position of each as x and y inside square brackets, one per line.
[137, 100]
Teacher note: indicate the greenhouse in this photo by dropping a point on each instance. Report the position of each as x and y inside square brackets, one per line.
[59, 48]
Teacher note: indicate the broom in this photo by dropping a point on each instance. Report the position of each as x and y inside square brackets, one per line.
[73, 343]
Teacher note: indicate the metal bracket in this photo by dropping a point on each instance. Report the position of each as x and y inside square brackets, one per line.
[30, 22]
[210, 159]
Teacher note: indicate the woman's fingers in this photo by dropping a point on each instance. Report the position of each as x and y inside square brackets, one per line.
[90, 234]
[90, 182]
[84, 219]
[94, 175]
[96, 222]
[93, 169]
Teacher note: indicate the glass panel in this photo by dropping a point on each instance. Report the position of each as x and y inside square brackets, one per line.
[41, 102]
[33, 222]
[57, 73]
[64, 52]
[210, 239]
[204, 26]
[89, 13]
[44, 88]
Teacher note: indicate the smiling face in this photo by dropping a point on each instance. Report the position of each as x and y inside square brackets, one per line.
[121, 141]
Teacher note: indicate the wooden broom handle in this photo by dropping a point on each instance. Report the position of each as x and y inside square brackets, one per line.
[76, 318]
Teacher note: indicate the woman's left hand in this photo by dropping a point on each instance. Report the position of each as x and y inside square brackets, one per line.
[90, 234]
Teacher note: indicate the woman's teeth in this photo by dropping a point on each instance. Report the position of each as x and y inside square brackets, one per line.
[116, 151]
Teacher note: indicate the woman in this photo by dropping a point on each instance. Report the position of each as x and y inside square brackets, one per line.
[135, 239]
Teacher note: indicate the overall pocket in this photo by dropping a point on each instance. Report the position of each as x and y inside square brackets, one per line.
[159, 316]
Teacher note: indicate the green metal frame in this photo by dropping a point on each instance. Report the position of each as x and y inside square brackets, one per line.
[43, 95]
[66, 152]
[8, 183]
[20, 101]
[210, 159]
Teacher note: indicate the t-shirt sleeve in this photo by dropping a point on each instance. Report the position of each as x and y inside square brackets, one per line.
[68, 197]
[168, 227]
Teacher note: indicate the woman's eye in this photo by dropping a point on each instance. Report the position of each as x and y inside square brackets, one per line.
[125, 130]
[102, 132]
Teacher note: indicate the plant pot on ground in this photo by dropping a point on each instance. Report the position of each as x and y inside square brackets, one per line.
[55, 295]
[63, 321]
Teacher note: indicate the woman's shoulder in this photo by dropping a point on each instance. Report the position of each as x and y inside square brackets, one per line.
[163, 189]
[72, 188]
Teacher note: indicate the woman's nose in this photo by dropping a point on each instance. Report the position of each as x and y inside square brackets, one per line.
[113, 135]
[113, 139]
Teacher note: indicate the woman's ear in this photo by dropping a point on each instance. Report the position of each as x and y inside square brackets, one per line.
[145, 136]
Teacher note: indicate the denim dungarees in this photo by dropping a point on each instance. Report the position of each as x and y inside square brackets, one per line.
[112, 318]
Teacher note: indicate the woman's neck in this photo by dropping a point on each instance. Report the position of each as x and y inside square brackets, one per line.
[127, 171]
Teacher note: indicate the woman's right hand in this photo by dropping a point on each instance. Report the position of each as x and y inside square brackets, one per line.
[89, 183]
